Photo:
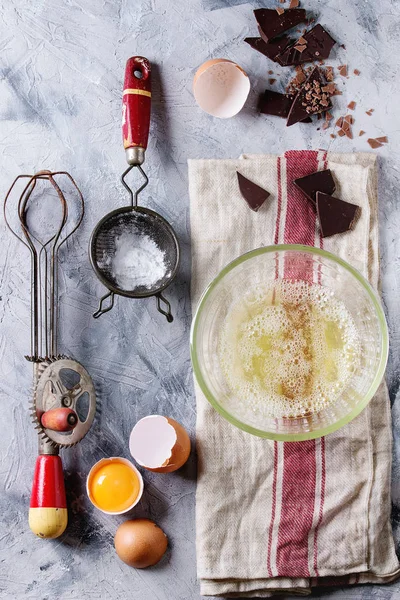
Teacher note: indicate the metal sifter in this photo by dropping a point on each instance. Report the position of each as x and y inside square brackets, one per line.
[131, 239]
[64, 400]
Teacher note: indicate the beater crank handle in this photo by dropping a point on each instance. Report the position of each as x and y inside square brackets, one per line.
[48, 516]
[100, 311]
[136, 107]
[167, 313]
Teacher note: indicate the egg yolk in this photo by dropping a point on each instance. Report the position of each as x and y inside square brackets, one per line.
[114, 487]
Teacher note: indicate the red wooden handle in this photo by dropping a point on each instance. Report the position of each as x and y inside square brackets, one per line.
[48, 509]
[136, 103]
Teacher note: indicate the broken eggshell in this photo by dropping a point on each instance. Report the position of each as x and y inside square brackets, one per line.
[159, 444]
[221, 87]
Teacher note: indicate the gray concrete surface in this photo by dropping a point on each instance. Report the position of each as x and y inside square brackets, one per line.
[61, 70]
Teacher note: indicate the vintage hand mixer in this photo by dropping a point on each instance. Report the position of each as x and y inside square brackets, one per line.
[64, 400]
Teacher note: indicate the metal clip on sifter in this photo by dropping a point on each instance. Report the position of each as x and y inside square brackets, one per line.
[134, 221]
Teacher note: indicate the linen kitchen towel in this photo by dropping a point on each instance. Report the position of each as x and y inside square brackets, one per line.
[274, 516]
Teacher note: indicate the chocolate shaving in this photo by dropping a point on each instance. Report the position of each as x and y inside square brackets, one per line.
[374, 143]
[369, 112]
[341, 133]
[254, 195]
[310, 99]
[383, 139]
[343, 70]
[351, 105]
[339, 122]
[329, 73]
[349, 133]
[361, 132]
[335, 215]
[328, 116]
[349, 119]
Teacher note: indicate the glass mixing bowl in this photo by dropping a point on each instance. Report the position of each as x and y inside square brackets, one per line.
[294, 262]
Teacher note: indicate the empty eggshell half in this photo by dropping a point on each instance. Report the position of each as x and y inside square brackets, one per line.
[221, 88]
[159, 444]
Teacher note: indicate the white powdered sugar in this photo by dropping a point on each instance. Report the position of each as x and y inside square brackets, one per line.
[136, 262]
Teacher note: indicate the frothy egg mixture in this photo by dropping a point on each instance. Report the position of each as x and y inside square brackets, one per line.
[287, 350]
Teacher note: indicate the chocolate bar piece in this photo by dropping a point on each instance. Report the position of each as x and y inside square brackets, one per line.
[310, 99]
[254, 195]
[321, 181]
[335, 215]
[318, 45]
[277, 105]
[271, 25]
[270, 50]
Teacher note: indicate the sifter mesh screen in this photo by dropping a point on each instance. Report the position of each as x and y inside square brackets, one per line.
[137, 221]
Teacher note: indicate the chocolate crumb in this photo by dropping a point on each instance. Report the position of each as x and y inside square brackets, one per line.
[351, 105]
[325, 125]
[349, 119]
[343, 70]
[328, 116]
[333, 136]
[280, 10]
[341, 133]
[383, 140]
[361, 132]
[270, 72]
[343, 46]
[282, 1]
[271, 81]
[339, 122]
[369, 112]
[294, 3]
[345, 125]
[356, 72]
[374, 143]
[329, 73]
[349, 133]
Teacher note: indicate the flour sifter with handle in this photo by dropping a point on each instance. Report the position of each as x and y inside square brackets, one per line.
[133, 250]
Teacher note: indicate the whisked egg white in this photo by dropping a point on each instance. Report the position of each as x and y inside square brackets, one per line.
[287, 350]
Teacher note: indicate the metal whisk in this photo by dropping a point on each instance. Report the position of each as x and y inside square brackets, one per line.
[64, 401]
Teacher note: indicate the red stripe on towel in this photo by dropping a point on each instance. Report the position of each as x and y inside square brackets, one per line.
[273, 509]
[299, 466]
[323, 462]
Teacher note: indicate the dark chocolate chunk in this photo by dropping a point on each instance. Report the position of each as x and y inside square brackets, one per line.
[321, 181]
[277, 105]
[272, 25]
[270, 50]
[335, 215]
[254, 195]
[318, 47]
[310, 100]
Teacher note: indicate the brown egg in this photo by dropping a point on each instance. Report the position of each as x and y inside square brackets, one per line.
[140, 543]
[159, 444]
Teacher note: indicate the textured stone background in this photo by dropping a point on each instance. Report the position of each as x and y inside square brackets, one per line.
[61, 71]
